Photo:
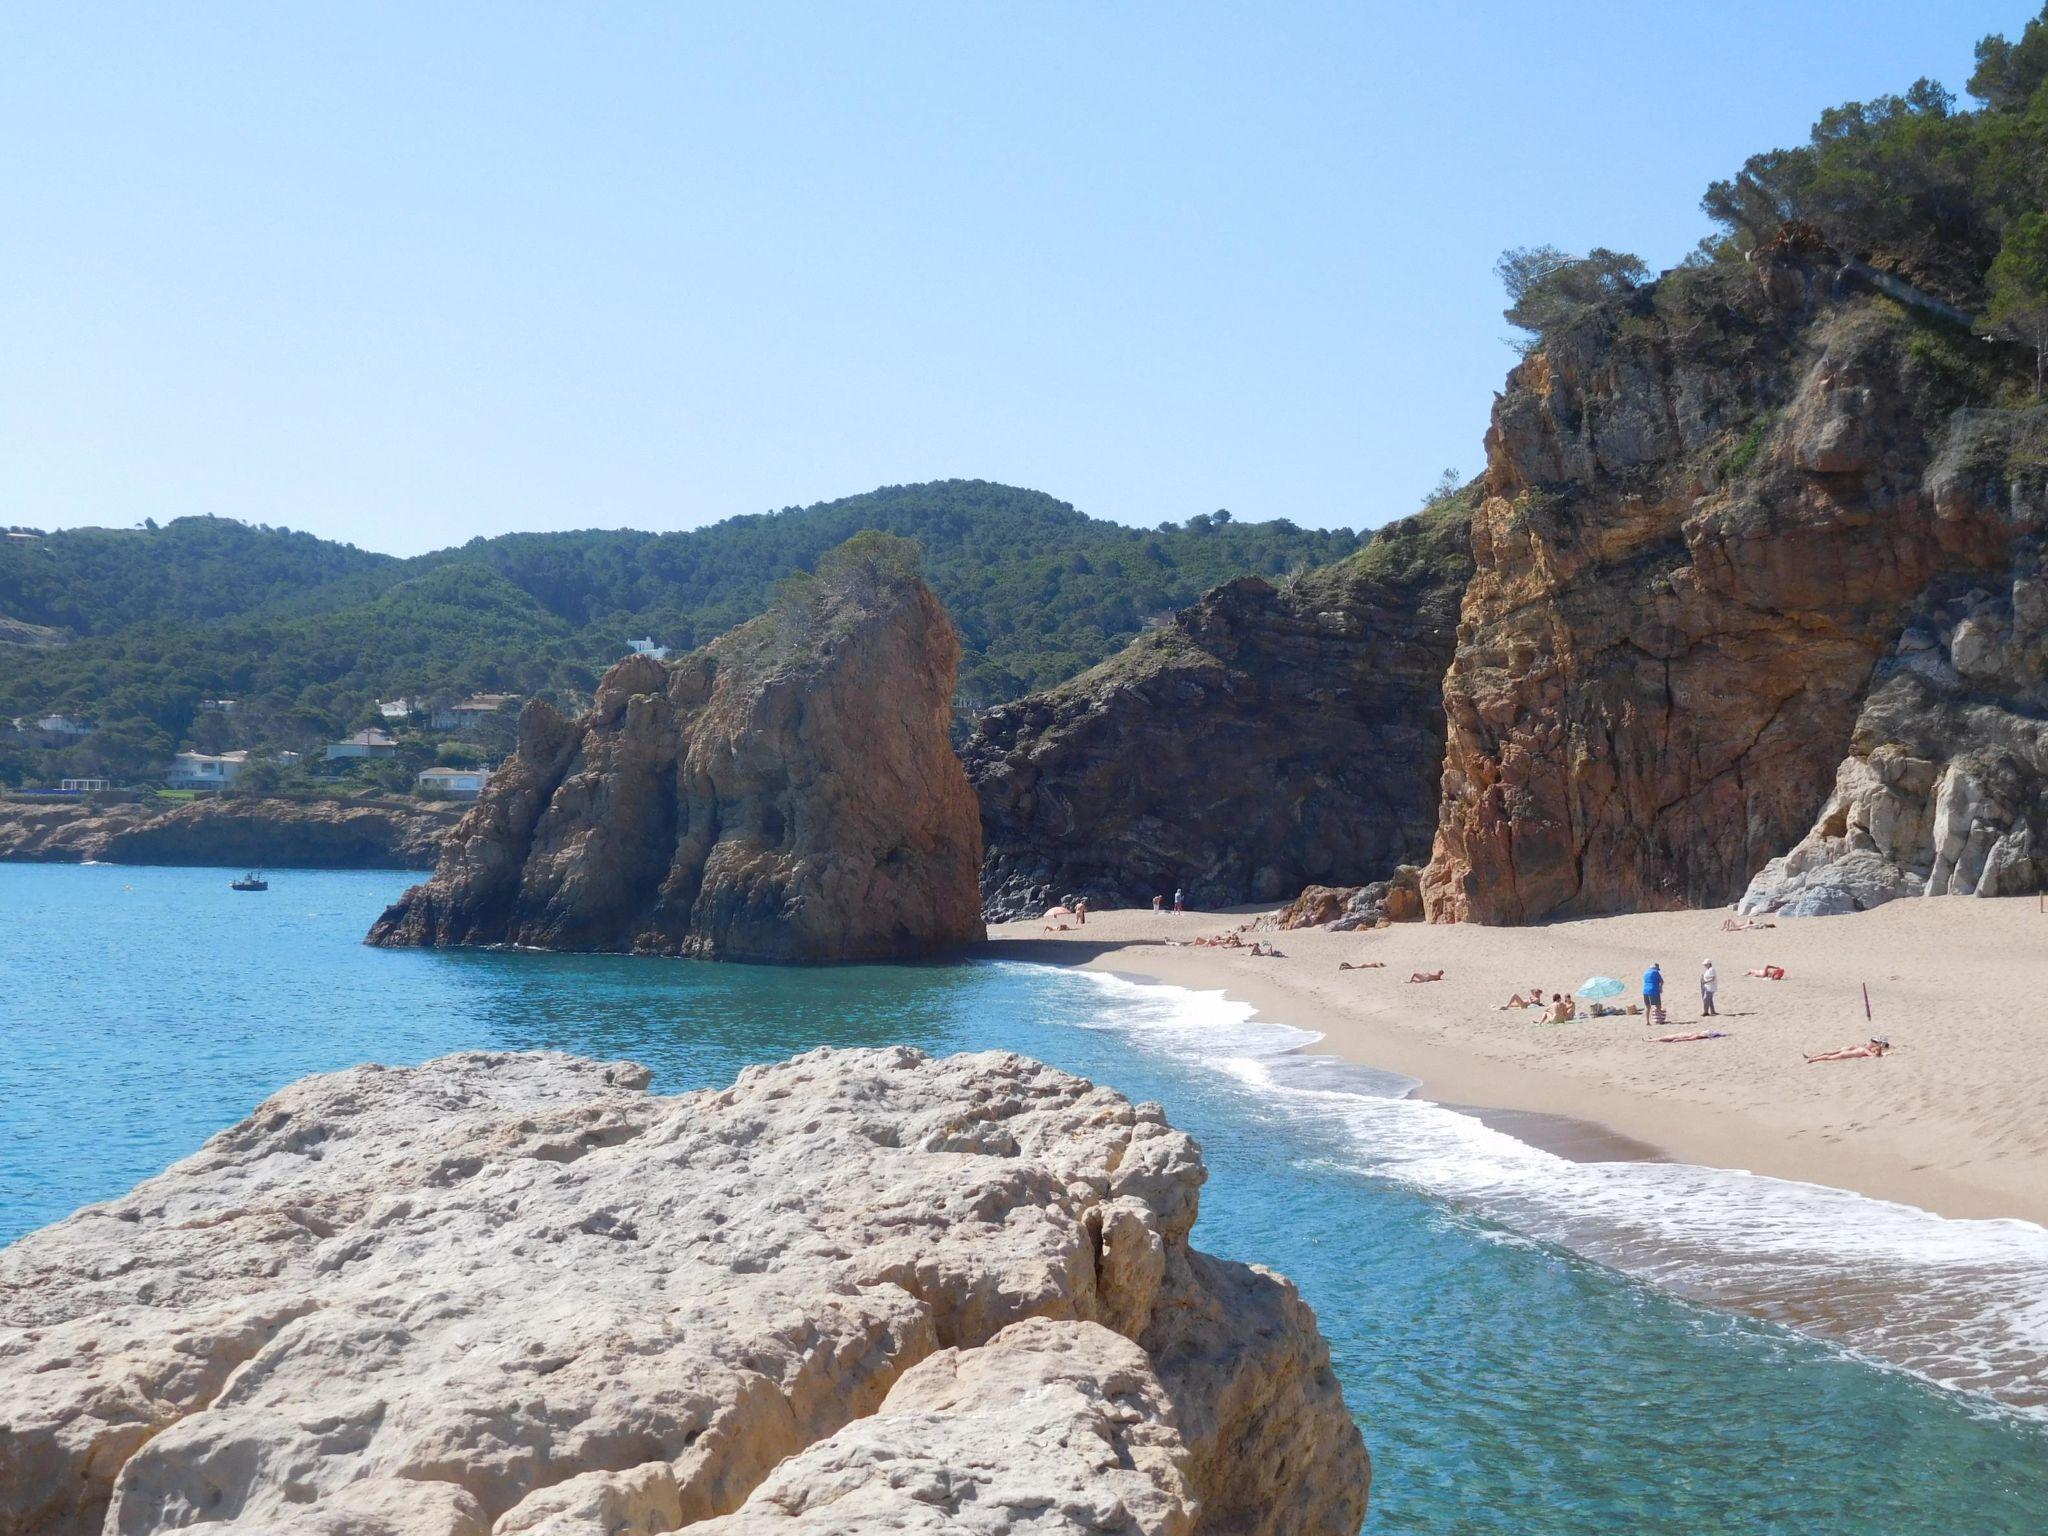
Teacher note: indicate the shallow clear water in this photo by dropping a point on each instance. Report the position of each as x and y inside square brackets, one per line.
[1505, 1382]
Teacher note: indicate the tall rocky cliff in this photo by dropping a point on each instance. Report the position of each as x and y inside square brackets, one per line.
[1266, 739]
[1713, 516]
[786, 794]
[860, 1291]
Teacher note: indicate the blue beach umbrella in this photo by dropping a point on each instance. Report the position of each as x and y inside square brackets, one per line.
[1599, 987]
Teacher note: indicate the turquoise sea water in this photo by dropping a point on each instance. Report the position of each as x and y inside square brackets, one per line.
[1505, 1381]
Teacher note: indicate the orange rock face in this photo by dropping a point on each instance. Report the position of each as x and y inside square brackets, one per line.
[788, 793]
[1702, 525]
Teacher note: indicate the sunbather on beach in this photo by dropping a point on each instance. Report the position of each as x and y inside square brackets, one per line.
[1562, 1009]
[1363, 965]
[1425, 975]
[1870, 1047]
[1697, 1034]
[1768, 972]
[1533, 1000]
[1742, 924]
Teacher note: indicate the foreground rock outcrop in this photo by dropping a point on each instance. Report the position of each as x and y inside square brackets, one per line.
[240, 829]
[1266, 739]
[857, 1291]
[787, 793]
[1708, 515]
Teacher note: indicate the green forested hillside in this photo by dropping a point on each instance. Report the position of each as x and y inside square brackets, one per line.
[307, 634]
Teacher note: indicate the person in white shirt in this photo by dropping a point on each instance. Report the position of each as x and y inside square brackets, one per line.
[1709, 984]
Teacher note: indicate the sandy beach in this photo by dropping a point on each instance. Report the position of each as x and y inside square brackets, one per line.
[1954, 1120]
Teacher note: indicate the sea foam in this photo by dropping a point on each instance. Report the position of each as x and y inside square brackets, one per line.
[1961, 1304]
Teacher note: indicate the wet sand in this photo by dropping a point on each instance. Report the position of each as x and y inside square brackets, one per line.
[1955, 1120]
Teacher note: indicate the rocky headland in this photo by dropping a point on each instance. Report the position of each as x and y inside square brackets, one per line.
[856, 1291]
[1266, 739]
[1738, 551]
[234, 830]
[788, 793]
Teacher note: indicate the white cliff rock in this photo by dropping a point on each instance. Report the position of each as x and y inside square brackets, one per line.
[857, 1291]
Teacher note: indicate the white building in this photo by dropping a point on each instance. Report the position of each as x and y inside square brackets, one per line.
[647, 647]
[62, 725]
[463, 783]
[84, 786]
[366, 743]
[218, 706]
[395, 709]
[204, 770]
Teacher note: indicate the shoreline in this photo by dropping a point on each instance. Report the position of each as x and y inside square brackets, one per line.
[1952, 1122]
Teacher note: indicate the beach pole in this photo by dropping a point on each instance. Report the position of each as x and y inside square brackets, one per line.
[1866, 1002]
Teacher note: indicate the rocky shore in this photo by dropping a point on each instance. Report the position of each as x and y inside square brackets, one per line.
[245, 830]
[856, 1291]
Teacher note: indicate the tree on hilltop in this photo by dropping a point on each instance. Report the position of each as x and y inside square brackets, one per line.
[1549, 288]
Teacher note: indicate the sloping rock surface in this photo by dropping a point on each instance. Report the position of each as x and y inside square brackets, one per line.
[245, 830]
[1708, 514]
[857, 1291]
[789, 793]
[1268, 738]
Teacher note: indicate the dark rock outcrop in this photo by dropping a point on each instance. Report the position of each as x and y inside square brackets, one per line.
[1267, 738]
[237, 830]
[1707, 514]
[786, 794]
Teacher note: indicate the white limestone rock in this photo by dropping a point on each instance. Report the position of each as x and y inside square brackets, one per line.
[857, 1291]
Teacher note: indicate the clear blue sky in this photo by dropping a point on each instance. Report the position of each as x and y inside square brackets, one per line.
[403, 275]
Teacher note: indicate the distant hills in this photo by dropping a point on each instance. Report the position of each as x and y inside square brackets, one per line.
[131, 628]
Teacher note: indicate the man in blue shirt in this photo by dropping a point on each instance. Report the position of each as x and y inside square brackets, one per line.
[1653, 990]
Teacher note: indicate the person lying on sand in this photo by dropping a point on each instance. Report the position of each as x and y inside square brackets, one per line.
[1870, 1047]
[1742, 924]
[1425, 975]
[1697, 1034]
[1533, 1000]
[1768, 972]
[1364, 965]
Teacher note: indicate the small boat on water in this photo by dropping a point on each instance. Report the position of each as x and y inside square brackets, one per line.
[252, 881]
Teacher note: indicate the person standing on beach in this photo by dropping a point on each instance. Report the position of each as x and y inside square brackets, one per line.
[1653, 993]
[1709, 983]
[1081, 911]
[1178, 904]
[1159, 905]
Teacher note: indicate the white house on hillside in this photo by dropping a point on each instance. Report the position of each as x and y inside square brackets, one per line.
[204, 770]
[366, 743]
[395, 709]
[647, 647]
[465, 783]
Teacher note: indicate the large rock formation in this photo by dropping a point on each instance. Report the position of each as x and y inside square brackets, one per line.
[1707, 514]
[786, 793]
[244, 830]
[1267, 738]
[1945, 788]
[857, 1291]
